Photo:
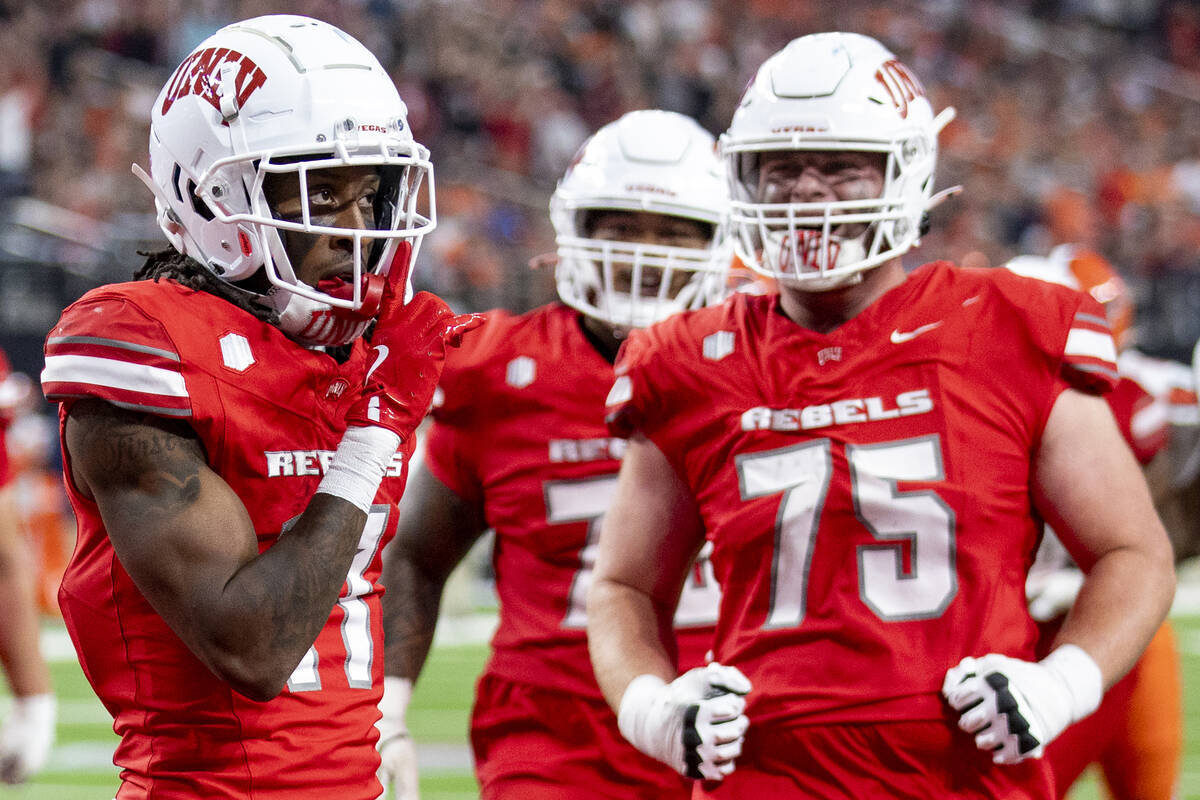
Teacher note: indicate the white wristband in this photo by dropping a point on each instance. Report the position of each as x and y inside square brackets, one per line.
[1080, 675]
[638, 699]
[393, 706]
[359, 464]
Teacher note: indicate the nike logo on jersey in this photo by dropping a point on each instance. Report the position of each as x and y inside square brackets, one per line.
[899, 337]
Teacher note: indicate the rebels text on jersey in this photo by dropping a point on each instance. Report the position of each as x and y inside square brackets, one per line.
[519, 431]
[867, 491]
[269, 414]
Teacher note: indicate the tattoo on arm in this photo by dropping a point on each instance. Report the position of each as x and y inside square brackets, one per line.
[113, 447]
[297, 581]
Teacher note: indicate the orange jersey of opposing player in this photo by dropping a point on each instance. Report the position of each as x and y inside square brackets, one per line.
[269, 413]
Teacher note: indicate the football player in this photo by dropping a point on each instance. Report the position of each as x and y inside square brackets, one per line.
[1136, 735]
[234, 448]
[870, 453]
[518, 445]
[28, 730]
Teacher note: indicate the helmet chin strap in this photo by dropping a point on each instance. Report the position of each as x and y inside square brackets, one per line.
[315, 323]
[370, 294]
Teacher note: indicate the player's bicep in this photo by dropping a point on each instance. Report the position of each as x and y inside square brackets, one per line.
[178, 529]
[1087, 483]
[652, 530]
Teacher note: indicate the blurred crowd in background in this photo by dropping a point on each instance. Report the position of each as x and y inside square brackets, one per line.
[1078, 120]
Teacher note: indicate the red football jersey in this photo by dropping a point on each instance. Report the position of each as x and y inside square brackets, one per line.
[1141, 417]
[867, 491]
[270, 414]
[520, 432]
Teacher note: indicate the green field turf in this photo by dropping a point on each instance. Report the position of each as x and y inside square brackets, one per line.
[81, 766]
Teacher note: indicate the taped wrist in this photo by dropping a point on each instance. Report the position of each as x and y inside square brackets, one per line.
[1079, 675]
[397, 692]
[394, 705]
[638, 717]
[358, 465]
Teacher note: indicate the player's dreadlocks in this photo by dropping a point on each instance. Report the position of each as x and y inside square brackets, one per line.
[186, 271]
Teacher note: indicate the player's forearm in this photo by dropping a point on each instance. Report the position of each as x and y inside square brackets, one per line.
[272, 608]
[625, 638]
[293, 585]
[188, 542]
[411, 601]
[1124, 600]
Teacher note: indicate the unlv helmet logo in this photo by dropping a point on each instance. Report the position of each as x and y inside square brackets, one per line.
[901, 85]
[198, 75]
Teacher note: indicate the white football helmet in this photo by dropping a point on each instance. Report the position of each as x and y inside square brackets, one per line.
[832, 92]
[658, 162]
[285, 94]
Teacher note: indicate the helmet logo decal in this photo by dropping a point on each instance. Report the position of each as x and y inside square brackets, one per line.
[900, 84]
[198, 75]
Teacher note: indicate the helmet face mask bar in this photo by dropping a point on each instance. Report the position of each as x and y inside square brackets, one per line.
[654, 163]
[634, 285]
[822, 242]
[282, 96]
[398, 218]
[831, 93]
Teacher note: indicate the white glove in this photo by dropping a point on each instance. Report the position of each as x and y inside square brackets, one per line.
[1051, 593]
[397, 754]
[694, 724]
[27, 736]
[1015, 708]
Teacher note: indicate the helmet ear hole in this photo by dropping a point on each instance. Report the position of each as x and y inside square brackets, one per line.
[176, 174]
[197, 204]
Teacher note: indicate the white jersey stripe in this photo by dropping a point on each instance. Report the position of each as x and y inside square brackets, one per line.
[1091, 344]
[114, 373]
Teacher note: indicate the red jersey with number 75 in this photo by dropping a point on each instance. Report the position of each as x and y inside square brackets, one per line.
[867, 491]
[519, 431]
[269, 414]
